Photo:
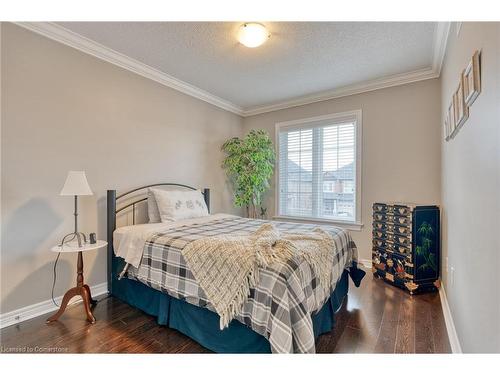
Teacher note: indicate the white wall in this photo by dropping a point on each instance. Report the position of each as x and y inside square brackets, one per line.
[401, 145]
[471, 191]
[65, 110]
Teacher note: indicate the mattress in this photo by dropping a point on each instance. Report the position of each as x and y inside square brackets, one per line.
[278, 308]
[128, 241]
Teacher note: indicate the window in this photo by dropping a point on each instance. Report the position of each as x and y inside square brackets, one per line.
[319, 168]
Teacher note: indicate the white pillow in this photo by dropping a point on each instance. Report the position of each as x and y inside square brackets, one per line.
[176, 205]
[153, 213]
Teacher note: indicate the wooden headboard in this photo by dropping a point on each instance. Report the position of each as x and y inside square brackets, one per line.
[129, 200]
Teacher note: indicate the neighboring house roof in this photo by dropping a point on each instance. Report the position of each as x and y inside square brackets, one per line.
[344, 173]
[296, 169]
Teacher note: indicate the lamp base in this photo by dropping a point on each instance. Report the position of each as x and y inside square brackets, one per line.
[71, 236]
[78, 235]
[82, 291]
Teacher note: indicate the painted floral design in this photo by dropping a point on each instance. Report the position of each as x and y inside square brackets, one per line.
[424, 250]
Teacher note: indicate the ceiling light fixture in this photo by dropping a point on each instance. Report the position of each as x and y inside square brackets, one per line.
[253, 34]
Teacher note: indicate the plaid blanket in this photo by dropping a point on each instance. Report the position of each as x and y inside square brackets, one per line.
[279, 307]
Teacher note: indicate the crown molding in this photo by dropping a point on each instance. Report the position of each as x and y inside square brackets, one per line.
[441, 34]
[72, 39]
[440, 40]
[69, 38]
[382, 83]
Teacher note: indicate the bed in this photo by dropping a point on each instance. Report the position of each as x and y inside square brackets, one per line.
[284, 313]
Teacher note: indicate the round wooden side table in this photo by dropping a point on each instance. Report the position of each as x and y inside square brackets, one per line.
[81, 289]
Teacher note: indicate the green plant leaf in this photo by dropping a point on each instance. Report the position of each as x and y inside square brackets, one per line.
[249, 164]
[418, 250]
[423, 267]
[432, 261]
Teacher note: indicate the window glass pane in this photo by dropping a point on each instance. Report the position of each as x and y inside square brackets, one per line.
[338, 172]
[299, 204]
[317, 171]
[298, 149]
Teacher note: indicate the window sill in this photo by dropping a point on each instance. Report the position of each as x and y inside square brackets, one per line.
[343, 224]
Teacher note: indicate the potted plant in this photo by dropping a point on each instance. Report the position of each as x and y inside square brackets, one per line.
[249, 163]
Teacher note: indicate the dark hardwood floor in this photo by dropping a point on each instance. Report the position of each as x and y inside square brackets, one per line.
[375, 318]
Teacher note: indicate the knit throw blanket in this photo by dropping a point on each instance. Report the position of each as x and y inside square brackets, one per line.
[227, 266]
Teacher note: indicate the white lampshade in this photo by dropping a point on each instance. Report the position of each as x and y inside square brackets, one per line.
[76, 184]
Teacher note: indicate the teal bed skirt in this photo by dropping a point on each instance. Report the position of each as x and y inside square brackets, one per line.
[202, 325]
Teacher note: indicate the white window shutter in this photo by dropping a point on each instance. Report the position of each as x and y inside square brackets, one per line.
[317, 169]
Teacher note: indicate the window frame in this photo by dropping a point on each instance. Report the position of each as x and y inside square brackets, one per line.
[310, 122]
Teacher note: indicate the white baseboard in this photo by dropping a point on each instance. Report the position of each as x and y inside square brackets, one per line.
[448, 318]
[450, 326]
[37, 309]
[366, 263]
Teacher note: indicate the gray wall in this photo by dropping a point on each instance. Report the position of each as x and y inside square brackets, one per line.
[62, 109]
[65, 110]
[471, 191]
[401, 145]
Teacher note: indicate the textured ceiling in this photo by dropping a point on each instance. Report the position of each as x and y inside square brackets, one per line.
[300, 58]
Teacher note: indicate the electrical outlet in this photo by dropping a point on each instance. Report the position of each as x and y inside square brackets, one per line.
[452, 276]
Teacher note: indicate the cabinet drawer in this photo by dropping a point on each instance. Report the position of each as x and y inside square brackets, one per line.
[376, 262]
[402, 241]
[401, 230]
[381, 226]
[383, 217]
[379, 243]
[380, 235]
[382, 208]
[402, 210]
[401, 249]
[383, 246]
[387, 244]
[394, 267]
[402, 220]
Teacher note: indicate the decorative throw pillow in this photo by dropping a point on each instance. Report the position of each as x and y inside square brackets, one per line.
[153, 213]
[176, 205]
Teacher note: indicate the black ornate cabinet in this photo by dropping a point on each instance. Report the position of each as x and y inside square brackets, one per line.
[406, 245]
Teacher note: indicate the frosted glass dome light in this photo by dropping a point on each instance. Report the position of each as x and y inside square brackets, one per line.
[252, 34]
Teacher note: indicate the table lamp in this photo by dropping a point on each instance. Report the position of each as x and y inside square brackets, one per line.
[76, 184]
